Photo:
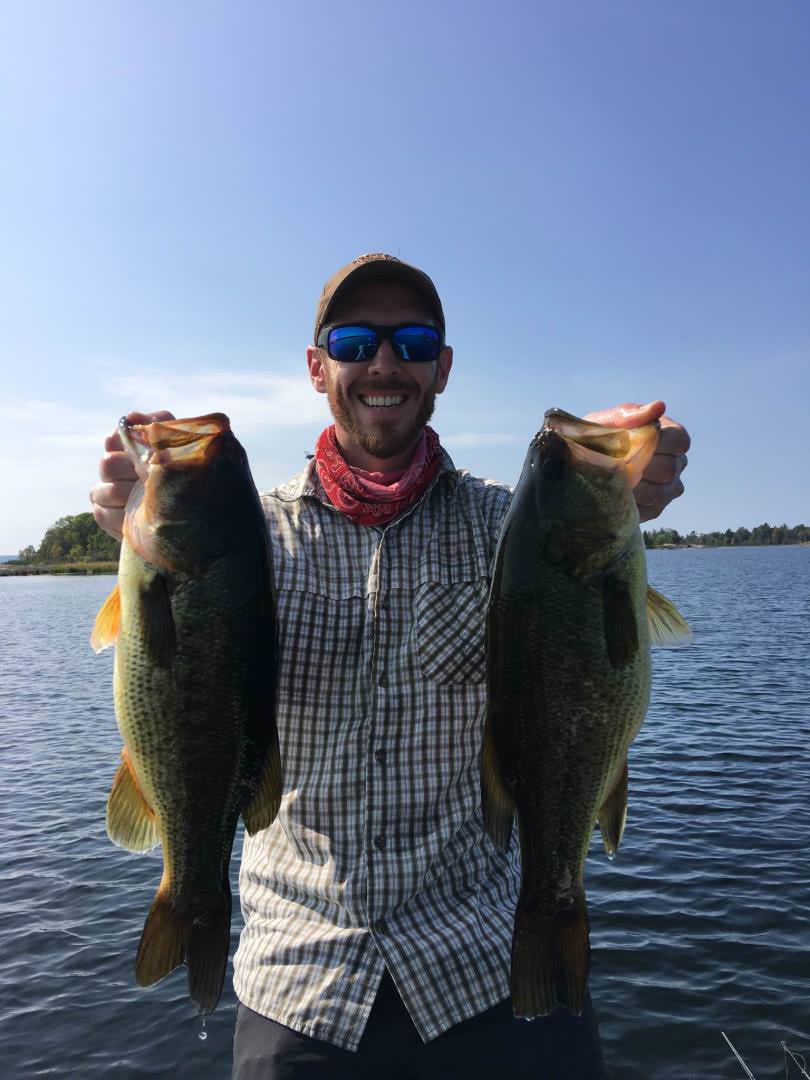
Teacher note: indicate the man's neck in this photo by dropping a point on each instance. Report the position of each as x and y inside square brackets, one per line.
[358, 458]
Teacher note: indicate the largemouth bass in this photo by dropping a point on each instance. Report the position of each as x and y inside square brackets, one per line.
[193, 622]
[568, 652]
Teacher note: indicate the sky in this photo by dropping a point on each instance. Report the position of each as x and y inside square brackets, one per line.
[612, 200]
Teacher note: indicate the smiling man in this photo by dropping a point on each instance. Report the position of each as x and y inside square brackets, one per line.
[378, 914]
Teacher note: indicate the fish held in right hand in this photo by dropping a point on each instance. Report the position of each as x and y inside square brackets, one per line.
[568, 662]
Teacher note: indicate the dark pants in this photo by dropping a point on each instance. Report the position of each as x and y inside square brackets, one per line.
[493, 1045]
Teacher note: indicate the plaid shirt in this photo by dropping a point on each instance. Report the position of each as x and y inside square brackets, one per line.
[378, 857]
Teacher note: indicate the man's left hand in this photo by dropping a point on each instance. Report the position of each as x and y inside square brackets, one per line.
[661, 480]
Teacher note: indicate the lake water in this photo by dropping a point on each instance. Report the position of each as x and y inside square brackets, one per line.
[701, 924]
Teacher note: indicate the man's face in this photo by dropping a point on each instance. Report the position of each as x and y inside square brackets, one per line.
[380, 431]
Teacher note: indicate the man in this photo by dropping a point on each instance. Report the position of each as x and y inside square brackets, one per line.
[378, 915]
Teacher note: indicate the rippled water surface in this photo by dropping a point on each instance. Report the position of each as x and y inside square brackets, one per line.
[701, 924]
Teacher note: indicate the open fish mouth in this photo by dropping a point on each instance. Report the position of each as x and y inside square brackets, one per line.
[612, 449]
[173, 443]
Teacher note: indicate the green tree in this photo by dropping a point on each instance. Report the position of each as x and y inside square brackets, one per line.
[74, 538]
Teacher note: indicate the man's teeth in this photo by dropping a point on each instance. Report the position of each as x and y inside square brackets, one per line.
[382, 402]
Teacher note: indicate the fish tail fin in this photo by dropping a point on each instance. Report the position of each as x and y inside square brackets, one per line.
[551, 959]
[170, 939]
[208, 942]
[162, 945]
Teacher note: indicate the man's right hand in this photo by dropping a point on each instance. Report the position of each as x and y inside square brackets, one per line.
[118, 476]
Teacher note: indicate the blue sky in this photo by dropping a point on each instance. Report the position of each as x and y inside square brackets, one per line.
[611, 198]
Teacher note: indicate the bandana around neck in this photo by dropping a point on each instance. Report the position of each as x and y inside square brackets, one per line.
[371, 498]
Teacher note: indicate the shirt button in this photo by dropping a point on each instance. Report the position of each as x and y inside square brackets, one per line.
[385, 605]
[383, 680]
[379, 757]
[379, 842]
[379, 926]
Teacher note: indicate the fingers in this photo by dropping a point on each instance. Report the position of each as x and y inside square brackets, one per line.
[664, 468]
[652, 498]
[628, 414]
[118, 476]
[113, 441]
[116, 466]
[674, 437]
[111, 521]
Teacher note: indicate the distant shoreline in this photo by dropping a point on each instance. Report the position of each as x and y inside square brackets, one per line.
[76, 569]
[717, 547]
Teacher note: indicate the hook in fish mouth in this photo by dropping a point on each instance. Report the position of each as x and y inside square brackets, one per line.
[133, 440]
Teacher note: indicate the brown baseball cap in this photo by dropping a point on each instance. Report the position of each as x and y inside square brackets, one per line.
[376, 267]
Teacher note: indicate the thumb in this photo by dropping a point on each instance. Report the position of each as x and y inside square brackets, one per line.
[628, 414]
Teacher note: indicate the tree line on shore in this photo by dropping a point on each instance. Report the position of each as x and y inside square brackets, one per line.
[77, 538]
[72, 539]
[764, 534]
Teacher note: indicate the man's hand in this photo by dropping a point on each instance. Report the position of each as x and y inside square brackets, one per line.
[117, 477]
[661, 481]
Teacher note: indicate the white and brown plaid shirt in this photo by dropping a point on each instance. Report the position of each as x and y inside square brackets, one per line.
[378, 857]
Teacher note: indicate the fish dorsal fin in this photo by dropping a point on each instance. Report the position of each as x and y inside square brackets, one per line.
[108, 622]
[668, 628]
[131, 822]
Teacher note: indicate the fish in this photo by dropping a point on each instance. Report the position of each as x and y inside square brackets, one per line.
[193, 621]
[569, 624]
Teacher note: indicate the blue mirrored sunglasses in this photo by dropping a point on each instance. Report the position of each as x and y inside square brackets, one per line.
[354, 343]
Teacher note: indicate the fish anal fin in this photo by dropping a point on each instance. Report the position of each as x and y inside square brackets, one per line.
[668, 628]
[131, 822]
[261, 811]
[619, 621]
[612, 813]
[162, 947]
[497, 804]
[551, 959]
[160, 638]
[108, 622]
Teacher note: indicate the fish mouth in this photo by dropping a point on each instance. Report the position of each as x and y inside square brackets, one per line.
[608, 448]
[177, 444]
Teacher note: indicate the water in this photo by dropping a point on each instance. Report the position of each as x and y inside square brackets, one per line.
[700, 924]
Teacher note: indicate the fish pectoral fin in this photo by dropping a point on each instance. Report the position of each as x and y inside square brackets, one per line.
[261, 811]
[157, 621]
[619, 621]
[108, 622]
[131, 822]
[612, 813]
[668, 628]
[497, 803]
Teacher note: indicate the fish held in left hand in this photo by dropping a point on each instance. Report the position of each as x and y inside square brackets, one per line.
[193, 622]
[569, 626]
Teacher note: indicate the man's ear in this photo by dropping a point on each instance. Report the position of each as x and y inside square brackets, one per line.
[443, 365]
[315, 364]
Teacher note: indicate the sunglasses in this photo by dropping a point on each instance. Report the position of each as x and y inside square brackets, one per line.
[358, 342]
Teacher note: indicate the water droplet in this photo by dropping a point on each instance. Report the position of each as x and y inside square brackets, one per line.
[612, 856]
[203, 1034]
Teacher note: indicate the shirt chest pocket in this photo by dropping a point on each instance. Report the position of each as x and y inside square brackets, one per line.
[450, 629]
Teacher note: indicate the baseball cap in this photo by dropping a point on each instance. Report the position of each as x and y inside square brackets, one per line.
[376, 267]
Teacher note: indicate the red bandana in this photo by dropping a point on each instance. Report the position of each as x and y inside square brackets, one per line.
[372, 498]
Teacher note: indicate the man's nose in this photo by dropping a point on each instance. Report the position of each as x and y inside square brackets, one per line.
[385, 360]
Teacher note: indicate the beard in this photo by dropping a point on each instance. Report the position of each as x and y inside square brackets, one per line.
[383, 441]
